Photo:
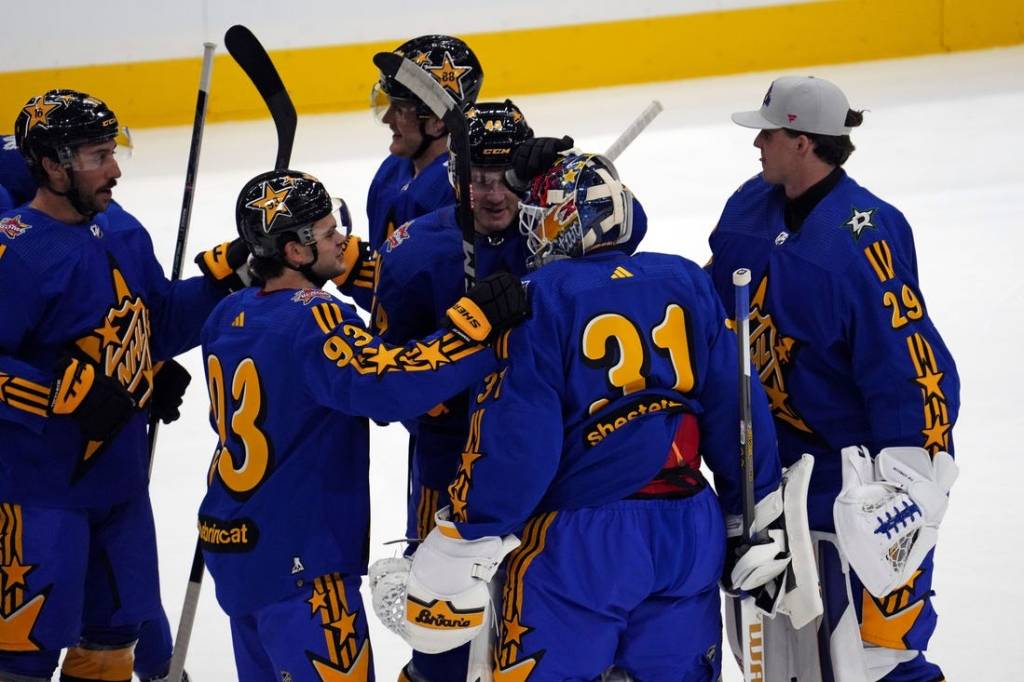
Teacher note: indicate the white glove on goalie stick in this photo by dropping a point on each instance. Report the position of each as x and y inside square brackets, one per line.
[780, 574]
[888, 513]
[439, 600]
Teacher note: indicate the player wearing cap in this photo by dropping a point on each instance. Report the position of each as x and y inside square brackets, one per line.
[849, 356]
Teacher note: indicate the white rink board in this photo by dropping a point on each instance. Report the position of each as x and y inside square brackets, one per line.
[942, 140]
[152, 29]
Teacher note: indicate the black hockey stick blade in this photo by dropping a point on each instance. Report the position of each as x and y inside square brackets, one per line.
[247, 51]
[441, 104]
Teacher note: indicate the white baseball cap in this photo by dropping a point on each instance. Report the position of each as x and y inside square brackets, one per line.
[804, 103]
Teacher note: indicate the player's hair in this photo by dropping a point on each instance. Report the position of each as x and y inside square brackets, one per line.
[266, 268]
[833, 149]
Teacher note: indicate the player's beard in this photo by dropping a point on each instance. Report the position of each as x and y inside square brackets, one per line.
[98, 199]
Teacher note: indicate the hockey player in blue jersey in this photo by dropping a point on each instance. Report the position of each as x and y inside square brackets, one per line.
[849, 356]
[420, 275]
[587, 442]
[293, 374]
[413, 180]
[154, 647]
[88, 315]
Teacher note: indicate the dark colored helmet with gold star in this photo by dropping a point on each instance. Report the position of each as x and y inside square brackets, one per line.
[280, 206]
[55, 123]
[495, 130]
[448, 59]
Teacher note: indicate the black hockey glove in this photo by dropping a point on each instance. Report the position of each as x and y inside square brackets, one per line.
[169, 384]
[533, 157]
[227, 265]
[497, 302]
[99, 404]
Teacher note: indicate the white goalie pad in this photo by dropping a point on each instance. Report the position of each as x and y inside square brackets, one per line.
[783, 567]
[439, 600]
[888, 513]
[802, 599]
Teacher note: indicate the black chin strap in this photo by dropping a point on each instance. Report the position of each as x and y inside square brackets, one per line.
[426, 139]
[73, 198]
[306, 270]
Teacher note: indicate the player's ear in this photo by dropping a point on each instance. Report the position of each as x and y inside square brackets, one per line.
[434, 126]
[55, 172]
[295, 253]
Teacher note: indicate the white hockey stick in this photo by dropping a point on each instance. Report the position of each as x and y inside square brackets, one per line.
[634, 129]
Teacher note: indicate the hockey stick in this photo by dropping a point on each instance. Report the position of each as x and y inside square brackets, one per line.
[254, 60]
[250, 55]
[634, 129]
[191, 168]
[441, 104]
[751, 621]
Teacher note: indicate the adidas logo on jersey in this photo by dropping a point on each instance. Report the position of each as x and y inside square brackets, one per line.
[239, 321]
[621, 273]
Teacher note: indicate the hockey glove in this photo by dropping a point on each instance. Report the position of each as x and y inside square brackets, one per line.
[227, 265]
[888, 513]
[497, 302]
[757, 568]
[439, 600]
[99, 404]
[354, 253]
[533, 157]
[170, 380]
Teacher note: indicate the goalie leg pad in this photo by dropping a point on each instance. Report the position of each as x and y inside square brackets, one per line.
[439, 600]
[802, 600]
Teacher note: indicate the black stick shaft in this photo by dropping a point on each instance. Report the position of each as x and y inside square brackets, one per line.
[191, 168]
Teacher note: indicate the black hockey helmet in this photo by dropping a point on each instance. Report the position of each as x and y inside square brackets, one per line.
[55, 123]
[280, 206]
[495, 130]
[448, 59]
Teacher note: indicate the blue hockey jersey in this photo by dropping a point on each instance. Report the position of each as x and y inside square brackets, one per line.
[420, 276]
[840, 333]
[293, 374]
[396, 195]
[14, 173]
[95, 289]
[586, 405]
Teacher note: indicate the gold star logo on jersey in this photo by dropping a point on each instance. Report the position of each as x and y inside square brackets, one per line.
[770, 352]
[38, 112]
[449, 74]
[272, 203]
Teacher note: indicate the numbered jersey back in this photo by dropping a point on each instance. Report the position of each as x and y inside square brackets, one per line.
[636, 340]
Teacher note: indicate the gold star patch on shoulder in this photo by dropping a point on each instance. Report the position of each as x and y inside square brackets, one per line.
[38, 112]
[272, 203]
[449, 74]
[859, 221]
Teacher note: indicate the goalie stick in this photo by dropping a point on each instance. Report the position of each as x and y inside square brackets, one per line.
[441, 104]
[191, 168]
[634, 130]
[251, 56]
[751, 621]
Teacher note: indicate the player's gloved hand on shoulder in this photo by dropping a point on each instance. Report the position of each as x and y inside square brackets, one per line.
[354, 253]
[227, 265]
[758, 569]
[497, 302]
[533, 157]
[170, 380]
[99, 404]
